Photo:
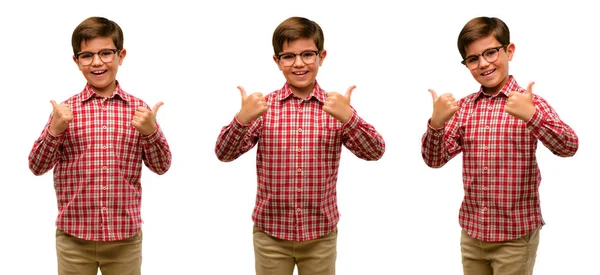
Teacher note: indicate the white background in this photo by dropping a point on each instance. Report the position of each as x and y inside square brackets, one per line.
[398, 215]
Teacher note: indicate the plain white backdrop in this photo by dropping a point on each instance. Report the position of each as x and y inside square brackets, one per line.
[398, 215]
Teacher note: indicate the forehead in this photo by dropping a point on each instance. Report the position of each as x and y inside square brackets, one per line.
[97, 43]
[478, 46]
[299, 45]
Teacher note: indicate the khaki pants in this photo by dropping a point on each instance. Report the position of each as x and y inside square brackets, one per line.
[513, 257]
[277, 257]
[80, 257]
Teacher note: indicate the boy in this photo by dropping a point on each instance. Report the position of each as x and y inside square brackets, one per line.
[497, 129]
[96, 142]
[299, 130]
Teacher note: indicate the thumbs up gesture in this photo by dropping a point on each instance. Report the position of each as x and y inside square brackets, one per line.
[253, 106]
[61, 116]
[521, 105]
[444, 108]
[144, 120]
[338, 106]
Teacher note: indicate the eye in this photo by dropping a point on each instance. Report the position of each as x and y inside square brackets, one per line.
[106, 53]
[287, 56]
[85, 55]
[308, 55]
[491, 52]
[472, 60]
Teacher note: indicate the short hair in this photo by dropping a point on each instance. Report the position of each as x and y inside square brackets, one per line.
[93, 27]
[295, 28]
[481, 27]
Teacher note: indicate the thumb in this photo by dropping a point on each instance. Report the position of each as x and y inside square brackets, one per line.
[157, 106]
[242, 92]
[434, 95]
[54, 105]
[349, 91]
[529, 90]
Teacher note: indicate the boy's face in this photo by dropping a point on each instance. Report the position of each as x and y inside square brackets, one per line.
[491, 75]
[99, 63]
[299, 75]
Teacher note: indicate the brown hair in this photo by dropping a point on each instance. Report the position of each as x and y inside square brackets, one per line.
[93, 27]
[481, 27]
[295, 28]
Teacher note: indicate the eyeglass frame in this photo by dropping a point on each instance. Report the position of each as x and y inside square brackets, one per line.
[317, 53]
[464, 61]
[98, 54]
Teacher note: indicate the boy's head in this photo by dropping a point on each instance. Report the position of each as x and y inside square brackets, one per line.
[484, 44]
[298, 52]
[98, 51]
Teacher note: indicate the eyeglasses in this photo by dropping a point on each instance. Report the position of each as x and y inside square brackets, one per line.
[106, 56]
[490, 55]
[288, 59]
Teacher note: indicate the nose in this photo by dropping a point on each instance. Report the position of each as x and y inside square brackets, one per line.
[483, 62]
[298, 62]
[96, 59]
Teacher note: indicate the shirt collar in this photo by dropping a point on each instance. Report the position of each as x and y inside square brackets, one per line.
[317, 93]
[88, 93]
[510, 86]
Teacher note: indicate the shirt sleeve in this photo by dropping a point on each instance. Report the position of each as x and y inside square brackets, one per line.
[362, 139]
[157, 155]
[547, 127]
[438, 146]
[236, 139]
[46, 151]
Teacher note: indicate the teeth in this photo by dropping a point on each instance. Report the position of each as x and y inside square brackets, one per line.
[299, 73]
[487, 73]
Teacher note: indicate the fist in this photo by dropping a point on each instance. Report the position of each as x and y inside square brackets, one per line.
[444, 107]
[61, 116]
[144, 120]
[253, 106]
[338, 106]
[521, 105]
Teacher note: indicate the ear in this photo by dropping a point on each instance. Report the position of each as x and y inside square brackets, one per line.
[277, 62]
[122, 56]
[510, 50]
[322, 56]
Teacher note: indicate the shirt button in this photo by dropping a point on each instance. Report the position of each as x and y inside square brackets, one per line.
[299, 110]
[299, 150]
[300, 130]
[104, 188]
[484, 209]
[299, 170]
[104, 147]
[487, 127]
[485, 147]
[298, 190]
[103, 209]
[485, 168]
[298, 210]
[485, 188]
[104, 168]
[104, 127]
[490, 108]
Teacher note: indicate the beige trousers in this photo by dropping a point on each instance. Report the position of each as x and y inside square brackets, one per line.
[513, 257]
[80, 257]
[278, 257]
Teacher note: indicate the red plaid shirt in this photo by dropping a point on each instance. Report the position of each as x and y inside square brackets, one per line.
[297, 160]
[500, 172]
[97, 166]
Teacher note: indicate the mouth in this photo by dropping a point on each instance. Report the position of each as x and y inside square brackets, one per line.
[99, 72]
[300, 73]
[486, 73]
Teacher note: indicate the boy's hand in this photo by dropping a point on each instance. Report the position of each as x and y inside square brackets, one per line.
[253, 106]
[144, 120]
[444, 108]
[61, 116]
[338, 106]
[521, 105]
